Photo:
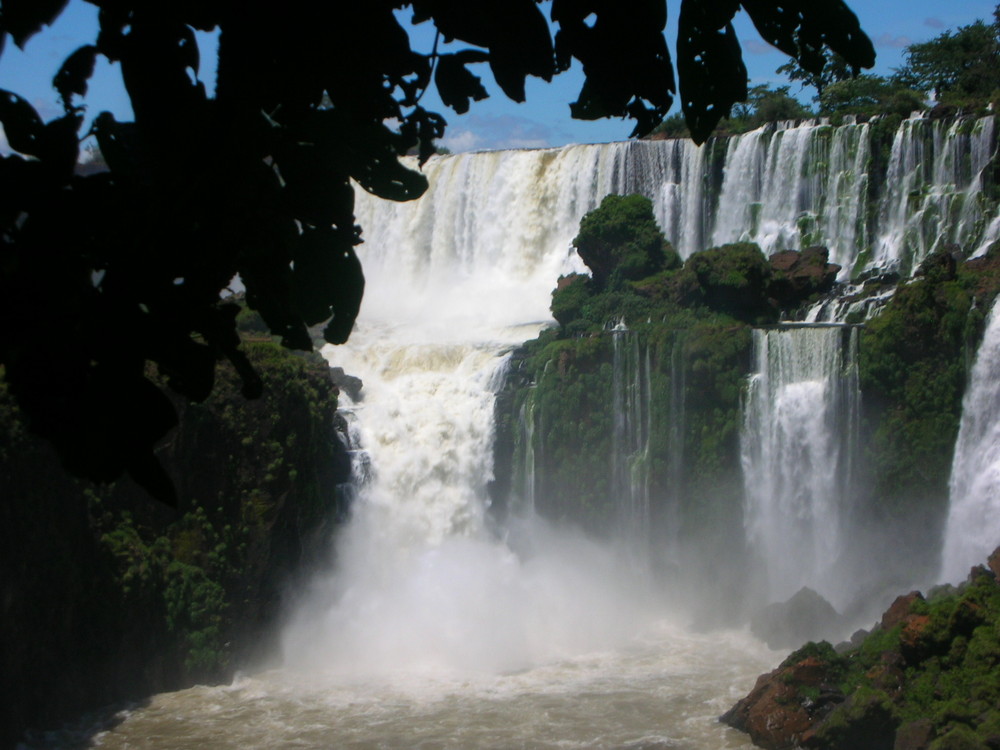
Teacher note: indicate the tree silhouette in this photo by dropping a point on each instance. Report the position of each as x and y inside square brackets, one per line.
[111, 281]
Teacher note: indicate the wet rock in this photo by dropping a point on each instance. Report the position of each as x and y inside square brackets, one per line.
[807, 616]
[796, 276]
[899, 610]
[349, 384]
[785, 704]
[994, 563]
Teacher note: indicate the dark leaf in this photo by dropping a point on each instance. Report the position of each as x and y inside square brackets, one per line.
[24, 18]
[456, 84]
[625, 59]
[59, 146]
[374, 163]
[800, 28]
[148, 473]
[21, 123]
[253, 386]
[319, 255]
[709, 65]
[348, 286]
[75, 72]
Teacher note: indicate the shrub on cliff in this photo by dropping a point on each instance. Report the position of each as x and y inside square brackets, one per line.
[621, 238]
[569, 297]
[734, 280]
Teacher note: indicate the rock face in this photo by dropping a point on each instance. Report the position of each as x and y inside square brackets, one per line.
[925, 678]
[796, 276]
[776, 714]
[806, 616]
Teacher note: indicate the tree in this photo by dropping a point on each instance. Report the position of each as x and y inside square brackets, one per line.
[764, 104]
[111, 281]
[956, 65]
[869, 95]
[835, 69]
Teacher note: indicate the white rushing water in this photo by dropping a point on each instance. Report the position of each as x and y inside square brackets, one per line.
[797, 441]
[973, 525]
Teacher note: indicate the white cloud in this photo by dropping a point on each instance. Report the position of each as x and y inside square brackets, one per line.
[934, 23]
[483, 132]
[757, 47]
[463, 140]
[888, 40]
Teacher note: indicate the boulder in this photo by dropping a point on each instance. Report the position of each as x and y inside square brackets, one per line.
[994, 563]
[349, 384]
[807, 616]
[796, 276]
[899, 610]
[777, 713]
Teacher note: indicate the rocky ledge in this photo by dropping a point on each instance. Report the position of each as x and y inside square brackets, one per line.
[927, 677]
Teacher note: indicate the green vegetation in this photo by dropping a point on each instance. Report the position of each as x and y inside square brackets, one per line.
[962, 67]
[959, 70]
[914, 360]
[934, 670]
[692, 320]
[163, 598]
[622, 237]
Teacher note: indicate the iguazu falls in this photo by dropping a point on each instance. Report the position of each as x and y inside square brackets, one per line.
[554, 496]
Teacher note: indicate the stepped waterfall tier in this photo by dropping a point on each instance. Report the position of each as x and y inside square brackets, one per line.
[876, 194]
[798, 442]
[973, 526]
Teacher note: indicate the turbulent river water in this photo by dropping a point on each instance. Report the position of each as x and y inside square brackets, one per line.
[663, 689]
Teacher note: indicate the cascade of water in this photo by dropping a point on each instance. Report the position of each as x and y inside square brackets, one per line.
[782, 186]
[528, 458]
[934, 191]
[455, 281]
[800, 423]
[972, 531]
[630, 438]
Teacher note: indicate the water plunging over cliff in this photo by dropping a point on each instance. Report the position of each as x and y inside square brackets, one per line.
[973, 528]
[782, 186]
[797, 445]
[631, 416]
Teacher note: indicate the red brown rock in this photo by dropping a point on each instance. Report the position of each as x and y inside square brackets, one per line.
[774, 714]
[899, 610]
[994, 563]
[798, 275]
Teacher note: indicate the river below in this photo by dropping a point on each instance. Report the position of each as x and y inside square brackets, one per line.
[664, 689]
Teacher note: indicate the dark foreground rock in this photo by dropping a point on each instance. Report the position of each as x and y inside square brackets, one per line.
[927, 677]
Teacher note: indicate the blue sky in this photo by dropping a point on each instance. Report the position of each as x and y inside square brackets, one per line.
[496, 122]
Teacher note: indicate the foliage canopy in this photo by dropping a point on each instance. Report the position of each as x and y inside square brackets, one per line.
[124, 269]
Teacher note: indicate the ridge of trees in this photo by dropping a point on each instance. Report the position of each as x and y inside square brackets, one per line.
[958, 70]
[106, 276]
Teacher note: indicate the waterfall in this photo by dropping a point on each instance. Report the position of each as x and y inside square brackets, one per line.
[422, 585]
[934, 192]
[631, 419]
[798, 437]
[972, 531]
[785, 185]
